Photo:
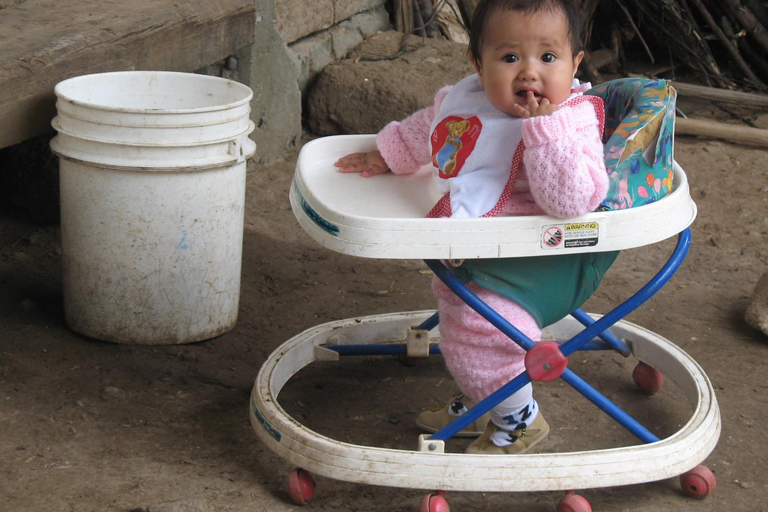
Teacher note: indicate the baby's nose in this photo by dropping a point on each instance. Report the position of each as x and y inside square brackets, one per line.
[528, 72]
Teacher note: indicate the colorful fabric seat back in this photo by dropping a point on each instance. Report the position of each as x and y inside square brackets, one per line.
[638, 139]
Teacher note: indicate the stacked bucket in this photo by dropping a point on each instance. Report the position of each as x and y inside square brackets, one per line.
[152, 173]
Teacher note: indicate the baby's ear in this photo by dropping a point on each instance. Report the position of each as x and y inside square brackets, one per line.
[576, 61]
[477, 65]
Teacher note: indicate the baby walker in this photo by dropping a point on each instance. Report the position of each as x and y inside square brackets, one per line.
[384, 218]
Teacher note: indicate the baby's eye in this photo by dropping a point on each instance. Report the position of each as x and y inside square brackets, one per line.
[549, 57]
[510, 58]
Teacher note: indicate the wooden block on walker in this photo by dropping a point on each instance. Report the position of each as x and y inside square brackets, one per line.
[430, 445]
[418, 343]
[324, 354]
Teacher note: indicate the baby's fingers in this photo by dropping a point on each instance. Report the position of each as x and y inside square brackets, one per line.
[350, 168]
[373, 170]
[533, 105]
[547, 108]
[352, 159]
[521, 111]
[351, 163]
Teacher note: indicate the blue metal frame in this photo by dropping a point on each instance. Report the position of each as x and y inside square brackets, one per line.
[585, 340]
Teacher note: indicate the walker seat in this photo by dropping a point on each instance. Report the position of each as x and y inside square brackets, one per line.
[638, 139]
[383, 217]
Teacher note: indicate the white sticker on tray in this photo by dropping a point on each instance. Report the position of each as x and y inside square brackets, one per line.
[570, 235]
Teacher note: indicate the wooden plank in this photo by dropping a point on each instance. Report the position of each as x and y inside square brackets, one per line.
[715, 94]
[717, 130]
[43, 42]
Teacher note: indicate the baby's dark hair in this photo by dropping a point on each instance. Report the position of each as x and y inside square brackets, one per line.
[486, 8]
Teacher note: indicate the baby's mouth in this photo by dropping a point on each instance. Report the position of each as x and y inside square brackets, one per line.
[523, 93]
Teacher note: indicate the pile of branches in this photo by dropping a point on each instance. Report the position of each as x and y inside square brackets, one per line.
[725, 42]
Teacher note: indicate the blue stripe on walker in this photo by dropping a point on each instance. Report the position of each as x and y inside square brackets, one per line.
[313, 215]
[264, 423]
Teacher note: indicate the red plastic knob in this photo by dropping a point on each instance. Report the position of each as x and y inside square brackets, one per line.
[545, 362]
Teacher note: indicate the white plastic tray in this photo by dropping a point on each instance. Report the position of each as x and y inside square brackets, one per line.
[383, 216]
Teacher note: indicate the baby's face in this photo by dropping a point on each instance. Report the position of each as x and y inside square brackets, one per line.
[526, 52]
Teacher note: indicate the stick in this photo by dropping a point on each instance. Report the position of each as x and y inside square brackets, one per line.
[688, 25]
[427, 11]
[714, 129]
[759, 9]
[637, 31]
[419, 28]
[748, 20]
[758, 61]
[403, 16]
[714, 94]
[728, 45]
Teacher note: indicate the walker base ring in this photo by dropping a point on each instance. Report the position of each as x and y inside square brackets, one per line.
[330, 458]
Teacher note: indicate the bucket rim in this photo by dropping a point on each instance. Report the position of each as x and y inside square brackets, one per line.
[59, 91]
[156, 165]
[56, 126]
[123, 124]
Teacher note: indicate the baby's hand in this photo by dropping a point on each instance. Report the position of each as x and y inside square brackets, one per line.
[368, 164]
[535, 108]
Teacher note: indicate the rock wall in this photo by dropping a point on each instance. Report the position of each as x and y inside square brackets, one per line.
[295, 40]
[324, 31]
[356, 95]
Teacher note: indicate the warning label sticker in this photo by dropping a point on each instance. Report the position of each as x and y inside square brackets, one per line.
[570, 235]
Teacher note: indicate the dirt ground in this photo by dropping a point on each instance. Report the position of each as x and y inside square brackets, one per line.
[91, 426]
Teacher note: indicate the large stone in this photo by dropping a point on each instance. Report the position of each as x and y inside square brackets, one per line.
[757, 312]
[361, 96]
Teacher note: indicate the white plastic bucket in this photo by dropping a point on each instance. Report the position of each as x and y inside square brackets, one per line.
[152, 173]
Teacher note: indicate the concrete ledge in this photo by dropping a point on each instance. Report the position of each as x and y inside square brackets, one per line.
[42, 43]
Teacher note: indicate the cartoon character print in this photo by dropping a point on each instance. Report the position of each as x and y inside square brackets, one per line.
[452, 141]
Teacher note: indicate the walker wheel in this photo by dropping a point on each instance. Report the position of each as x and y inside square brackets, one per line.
[301, 486]
[647, 378]
[434, 502]
[698, 482]
[572, 502]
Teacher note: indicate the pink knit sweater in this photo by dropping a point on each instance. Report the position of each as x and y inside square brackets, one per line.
[563, 172]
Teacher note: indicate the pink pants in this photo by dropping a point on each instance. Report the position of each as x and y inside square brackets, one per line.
[480, 357]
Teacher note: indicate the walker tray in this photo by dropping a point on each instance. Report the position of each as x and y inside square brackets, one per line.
[383, 216]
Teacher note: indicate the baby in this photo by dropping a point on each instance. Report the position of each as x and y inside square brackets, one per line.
[516, 138]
